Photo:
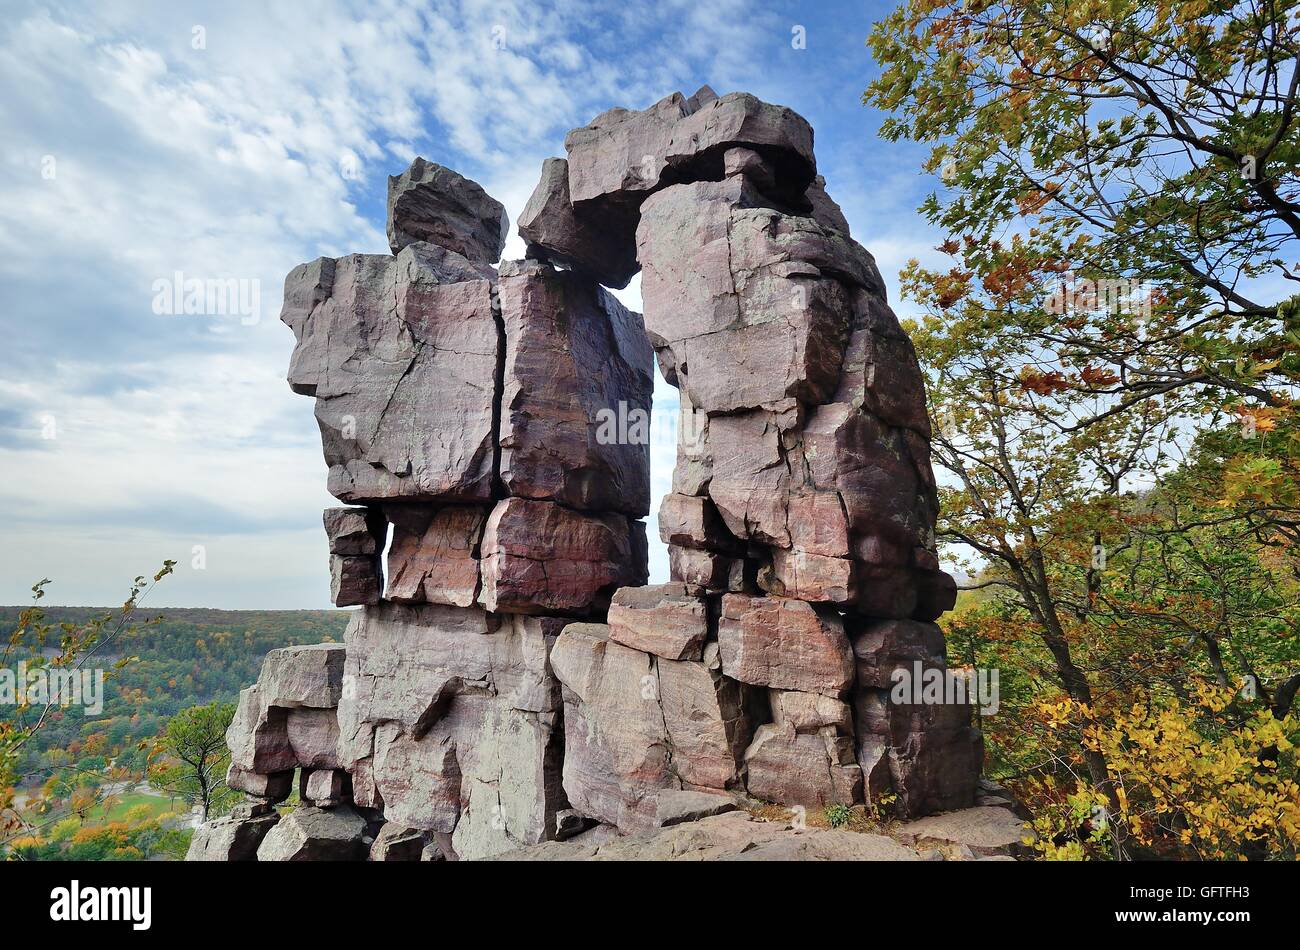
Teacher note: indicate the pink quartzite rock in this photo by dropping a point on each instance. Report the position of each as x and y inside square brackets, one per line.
[325, 788]
[395, 843]
[926, 753]
[723, 292]
[785, 644]
[434, 557]
[273, 788]
[230, 838]
[811, 577]
[539, 557]
[316, 834]
[356, 539]
[310, 675]
[622, 155]
[703, 571]
[429, 202]
[384, 341]
[810, 712]
[304, 682]
[636, 725]
[557, 233]
[663, 619]
[314, 737]
[692, 521]
[451, 721]
[498, 425]
[813, 769]
[355, 532]
[575, 413]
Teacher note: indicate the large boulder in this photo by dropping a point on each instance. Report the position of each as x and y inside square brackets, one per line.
[637, 725]
[383, 341]
[429, 202]
[310, 675]
[575, 410]
[540, 557]
[753, 325]
[230, 838]
[316, 834]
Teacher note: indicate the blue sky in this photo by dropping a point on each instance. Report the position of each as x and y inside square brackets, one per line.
[235, 140]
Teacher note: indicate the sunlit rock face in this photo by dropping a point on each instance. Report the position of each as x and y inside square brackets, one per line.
[507, 679]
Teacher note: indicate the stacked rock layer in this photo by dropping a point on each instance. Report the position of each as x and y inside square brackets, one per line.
[508, 678]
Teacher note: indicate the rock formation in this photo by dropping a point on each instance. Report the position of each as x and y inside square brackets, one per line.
[507, 678]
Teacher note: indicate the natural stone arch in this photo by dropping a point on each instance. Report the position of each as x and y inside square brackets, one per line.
[515, 680]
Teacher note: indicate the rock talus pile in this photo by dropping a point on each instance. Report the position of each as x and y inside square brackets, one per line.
[508, 679]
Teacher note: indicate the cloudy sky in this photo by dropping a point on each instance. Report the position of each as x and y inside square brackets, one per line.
[235, 140]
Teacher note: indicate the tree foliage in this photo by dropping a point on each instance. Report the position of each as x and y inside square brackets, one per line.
[1111, 356]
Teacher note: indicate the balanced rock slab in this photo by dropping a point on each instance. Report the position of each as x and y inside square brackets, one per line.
[430, 202]
[623, 155]
[557, 233]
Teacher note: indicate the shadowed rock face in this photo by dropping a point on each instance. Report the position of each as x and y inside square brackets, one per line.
[577, 369]
[490, 429]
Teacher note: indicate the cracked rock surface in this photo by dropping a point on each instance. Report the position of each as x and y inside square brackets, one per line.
[508, 679]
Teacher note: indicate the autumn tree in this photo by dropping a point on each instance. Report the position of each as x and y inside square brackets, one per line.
[1111, 356]
[65, 647]
[194, 758]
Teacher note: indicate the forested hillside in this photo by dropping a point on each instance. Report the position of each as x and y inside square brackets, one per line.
[190, 657]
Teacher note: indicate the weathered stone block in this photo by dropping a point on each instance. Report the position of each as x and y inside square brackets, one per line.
[784, 644]
[429, 202]
[383, 341]
[575, 412]
[663, 619]
[434, 557]
[316, 834]
[539, 557]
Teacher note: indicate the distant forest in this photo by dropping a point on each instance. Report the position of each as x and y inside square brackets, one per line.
[194, 656]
